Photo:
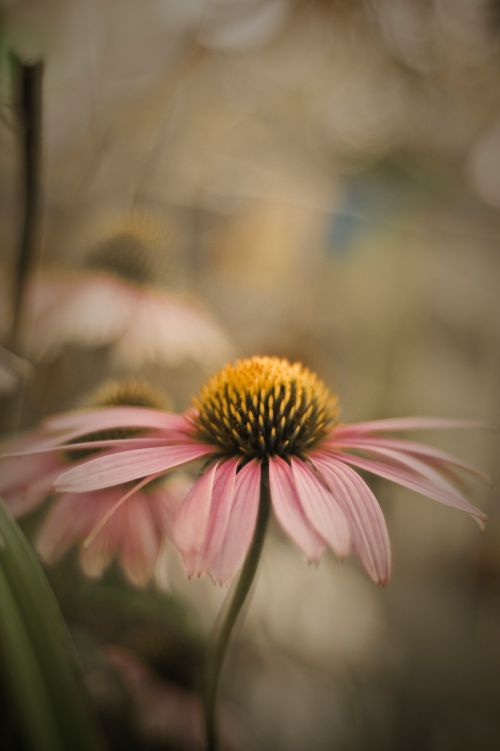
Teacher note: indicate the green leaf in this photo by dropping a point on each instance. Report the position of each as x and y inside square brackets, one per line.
[37, 651]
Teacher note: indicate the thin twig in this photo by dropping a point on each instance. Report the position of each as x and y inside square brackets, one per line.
[29, 108]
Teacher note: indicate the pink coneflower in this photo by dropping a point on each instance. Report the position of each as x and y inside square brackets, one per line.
[264, 424]
[115, 299]
[269, 433]
[137, 529]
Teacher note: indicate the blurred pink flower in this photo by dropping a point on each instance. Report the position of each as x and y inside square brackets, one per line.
[134, 536]
[138, 528]
[116, 298]
[266, 417]
[143, 323]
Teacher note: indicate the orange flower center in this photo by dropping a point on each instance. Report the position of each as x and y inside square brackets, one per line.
[265, 406]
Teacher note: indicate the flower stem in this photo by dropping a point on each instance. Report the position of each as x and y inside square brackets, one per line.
[29, 107]
[224, 630]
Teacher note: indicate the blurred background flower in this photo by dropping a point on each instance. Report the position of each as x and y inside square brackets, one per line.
[130, 522]
[327, 172]
[116, 299]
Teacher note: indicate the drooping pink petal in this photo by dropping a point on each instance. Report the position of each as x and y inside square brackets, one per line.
[166, 501]
[431, 453]
[168, 329]
[192, 520]
[408, 423]
[122, 499]
[86, 308]
[69, 520]
[416, 465]
[241, 524]
[164, 508]
[321, 509]
[367, 524]
[95, 558]
[138, 544]
[130, 534]
[414, 482]
[289, 511]
[122, 466]
[107, 418]
[222, 501]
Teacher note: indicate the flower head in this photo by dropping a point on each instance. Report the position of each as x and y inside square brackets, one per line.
[136, 530]
[115, 299]
[265, 420]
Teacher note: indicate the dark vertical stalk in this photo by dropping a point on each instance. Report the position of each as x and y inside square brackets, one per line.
[223, 633]
[29, 112]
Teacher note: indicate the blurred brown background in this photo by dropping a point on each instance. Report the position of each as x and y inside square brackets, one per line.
[328, 174]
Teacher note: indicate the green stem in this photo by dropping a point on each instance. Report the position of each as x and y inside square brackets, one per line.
[223, 633]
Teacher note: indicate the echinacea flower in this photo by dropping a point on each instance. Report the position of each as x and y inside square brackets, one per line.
[264, 419]
[137, 529]
[115, 299]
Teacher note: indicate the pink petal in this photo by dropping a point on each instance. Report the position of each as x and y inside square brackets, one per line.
[415, 465]
[137, 544]
[412, 481]
[123, 466]
[167, 329]
[182, 431]
[241, 524]
[88, 308]
[105, 418]
[95, 558]
[17, 472]
[192, 520]
[222, 500]
[289, 511]
[35, 442]
[409, 423]
[164, 508]
[410, 447]
[166, 501]
[130, 534]
[368, 529]
[105, 517]
[321, 508]
[45, 447]
[23, 500]
[69, 520]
